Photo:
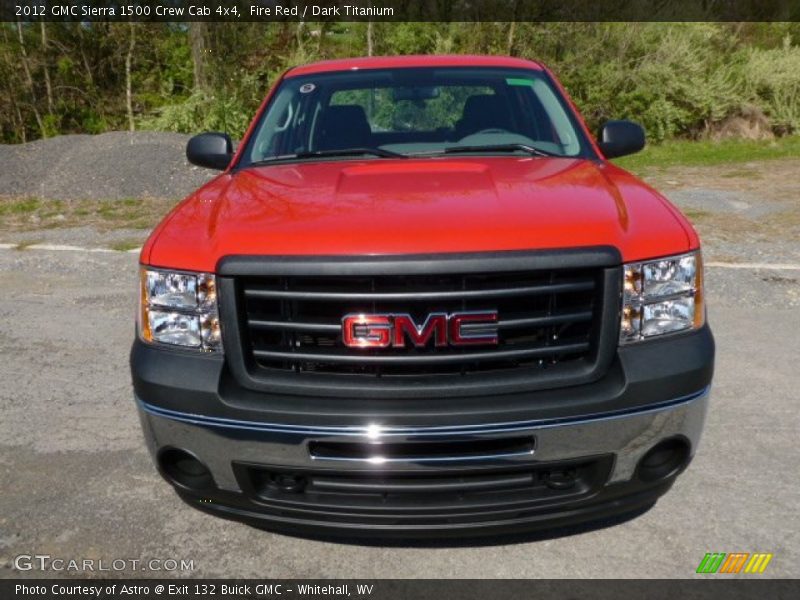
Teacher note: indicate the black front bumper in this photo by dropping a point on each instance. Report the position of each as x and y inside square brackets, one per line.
[330, 450]
[410, 523]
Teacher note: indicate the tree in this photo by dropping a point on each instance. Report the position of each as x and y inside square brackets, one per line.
[26, 67]
[128, 85]
[198, 33]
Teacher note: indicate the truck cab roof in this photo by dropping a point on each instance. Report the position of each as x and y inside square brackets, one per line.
[413, 61]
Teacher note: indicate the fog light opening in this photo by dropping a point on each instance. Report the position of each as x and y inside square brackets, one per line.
[664, 460]
[287, 482]
[184, 470]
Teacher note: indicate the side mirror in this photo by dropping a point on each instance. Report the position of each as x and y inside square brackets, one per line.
[210, 150]
[619, 138]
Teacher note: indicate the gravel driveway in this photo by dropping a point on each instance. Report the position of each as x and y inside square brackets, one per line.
[77, 481]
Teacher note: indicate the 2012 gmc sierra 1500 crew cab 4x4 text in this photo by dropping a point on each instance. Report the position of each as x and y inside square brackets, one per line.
[417, 301]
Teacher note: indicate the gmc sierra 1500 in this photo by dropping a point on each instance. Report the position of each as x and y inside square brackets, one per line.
[419, 300]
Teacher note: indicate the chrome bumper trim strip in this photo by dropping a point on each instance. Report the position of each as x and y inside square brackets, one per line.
[374, 431]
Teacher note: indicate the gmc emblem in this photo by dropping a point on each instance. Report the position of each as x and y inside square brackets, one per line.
[395, 330]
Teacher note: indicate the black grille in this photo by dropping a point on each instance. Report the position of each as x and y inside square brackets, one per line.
[547, 320]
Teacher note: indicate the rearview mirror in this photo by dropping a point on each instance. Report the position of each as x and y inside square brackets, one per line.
[619, 138]
[416, 93]
[210, 150]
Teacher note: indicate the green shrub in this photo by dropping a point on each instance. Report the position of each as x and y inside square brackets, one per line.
[676, 79]
[772, 79]
[680, 80]
[201, 112]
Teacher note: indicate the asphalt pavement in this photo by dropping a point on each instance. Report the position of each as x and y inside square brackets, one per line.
[76, 481]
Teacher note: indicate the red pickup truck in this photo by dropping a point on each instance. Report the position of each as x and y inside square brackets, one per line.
[420, 301]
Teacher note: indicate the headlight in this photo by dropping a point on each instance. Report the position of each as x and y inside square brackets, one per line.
[179, 309]
[662, 296]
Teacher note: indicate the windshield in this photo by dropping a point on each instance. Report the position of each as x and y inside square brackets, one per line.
[396, 113]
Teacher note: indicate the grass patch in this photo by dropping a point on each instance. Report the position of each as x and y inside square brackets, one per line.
[25, 214]
[125, 245]
[27, 244]
[19, 206]
[708, 153]
[695, 214]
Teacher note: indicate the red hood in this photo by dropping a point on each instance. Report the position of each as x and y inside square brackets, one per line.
[418, 206]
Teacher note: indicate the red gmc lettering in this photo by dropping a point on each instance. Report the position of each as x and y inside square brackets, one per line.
[458, 337]
[396, 330]
[366, 331]
[435, 325]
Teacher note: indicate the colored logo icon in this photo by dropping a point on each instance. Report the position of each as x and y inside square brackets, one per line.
[734, 562]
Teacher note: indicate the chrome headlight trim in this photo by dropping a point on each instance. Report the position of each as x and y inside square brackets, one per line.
[179, 309]
[661, 297]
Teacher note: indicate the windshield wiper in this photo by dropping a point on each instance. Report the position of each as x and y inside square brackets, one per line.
[352, 152]
[331, 153]
[500, 148]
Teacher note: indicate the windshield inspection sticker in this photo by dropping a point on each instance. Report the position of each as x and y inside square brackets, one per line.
[307, 88]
